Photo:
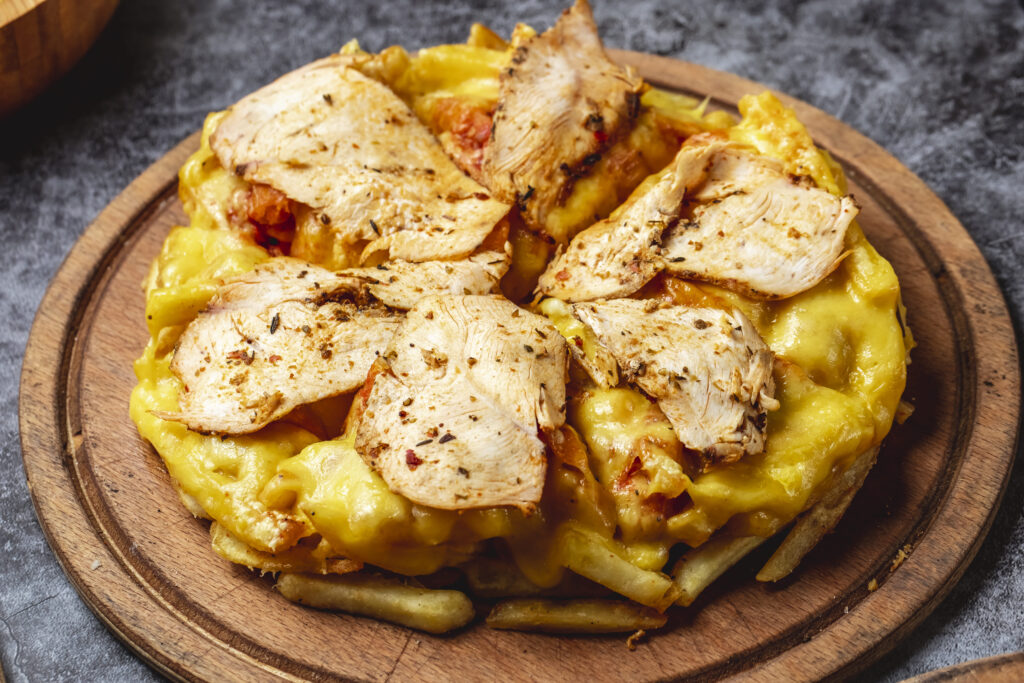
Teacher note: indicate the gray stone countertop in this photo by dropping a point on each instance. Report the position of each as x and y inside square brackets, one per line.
[938, 83]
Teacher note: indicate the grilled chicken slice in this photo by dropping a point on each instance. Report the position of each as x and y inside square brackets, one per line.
[452, 419]
[717, 213]
[617, 256]
[283, 335]
[759, 231]
[400, 284]
[708, 369]
[372, 177]
[561, 102]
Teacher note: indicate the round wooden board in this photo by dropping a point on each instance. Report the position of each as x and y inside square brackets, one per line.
[144, 565]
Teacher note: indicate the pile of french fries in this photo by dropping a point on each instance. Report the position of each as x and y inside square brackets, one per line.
[588, 601]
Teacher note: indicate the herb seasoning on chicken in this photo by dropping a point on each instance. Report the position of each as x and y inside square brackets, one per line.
[453, 420]
[718, 213]
[562, 101]
[708, 369]
[291, 333]
[370, 176]
[286, 334]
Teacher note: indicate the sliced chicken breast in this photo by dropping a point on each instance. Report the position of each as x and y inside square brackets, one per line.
[759, 231]
[281, 336]
[617, 256]
[561, 102]
[372, 176]
[453, 419]
[401, 284]
[708, 369]
[717, 213]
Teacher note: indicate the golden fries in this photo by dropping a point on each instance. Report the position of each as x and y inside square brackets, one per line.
[300, 558]
[812, 526]
[573, 616]
[434, 611]
[587, 555]
[698, 568]
[483, 36]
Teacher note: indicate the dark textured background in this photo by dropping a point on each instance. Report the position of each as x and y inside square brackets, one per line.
[940, 84]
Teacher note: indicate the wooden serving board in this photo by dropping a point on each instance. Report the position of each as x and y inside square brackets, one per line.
[145, 567]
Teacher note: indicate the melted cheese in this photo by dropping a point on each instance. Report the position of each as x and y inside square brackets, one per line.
[224, 476]
[839, 389]
[359, 515]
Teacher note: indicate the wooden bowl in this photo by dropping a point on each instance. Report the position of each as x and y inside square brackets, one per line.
[40, 40]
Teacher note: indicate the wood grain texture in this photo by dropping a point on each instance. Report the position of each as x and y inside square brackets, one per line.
[41, 39]
[1008, 668]
[144, 565]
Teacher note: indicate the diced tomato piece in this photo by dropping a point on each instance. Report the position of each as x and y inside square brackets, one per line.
[268, 206]
[470, 127]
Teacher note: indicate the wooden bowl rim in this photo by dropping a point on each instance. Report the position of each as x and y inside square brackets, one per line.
[10, 10]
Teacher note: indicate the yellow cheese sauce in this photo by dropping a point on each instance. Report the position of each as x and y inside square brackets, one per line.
[841, 374]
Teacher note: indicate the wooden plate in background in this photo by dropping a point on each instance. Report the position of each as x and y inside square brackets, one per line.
[41, 39]
[145, 567]
[1005, 668]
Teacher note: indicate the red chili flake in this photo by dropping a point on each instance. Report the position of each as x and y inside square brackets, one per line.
[600, 136]
[273, 359]
[412, 460]
[242, 356]
[578, 342]
[562, 275]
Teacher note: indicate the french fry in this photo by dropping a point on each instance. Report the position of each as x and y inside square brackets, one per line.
[589, 556]
[300, 558]
[573, 616]
[493, 578]
[812, 526]
[483, 36]
[698, 568]
[434, 611]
